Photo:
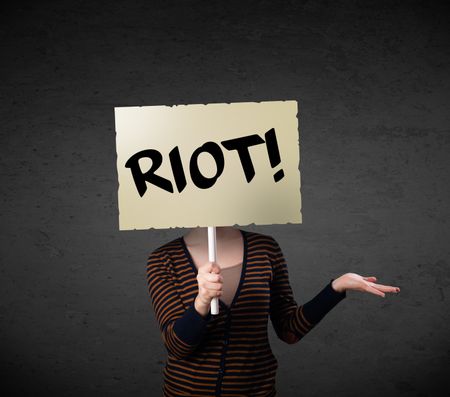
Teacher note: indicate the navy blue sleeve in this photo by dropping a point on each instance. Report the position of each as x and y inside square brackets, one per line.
[191, 326]
[181, 329]
[322, 303]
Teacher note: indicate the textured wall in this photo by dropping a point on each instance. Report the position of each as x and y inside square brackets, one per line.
[372, 81]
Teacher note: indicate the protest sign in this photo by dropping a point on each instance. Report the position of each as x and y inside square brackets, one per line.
[208, 165]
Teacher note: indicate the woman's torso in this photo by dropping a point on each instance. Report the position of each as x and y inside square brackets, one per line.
[235, 357]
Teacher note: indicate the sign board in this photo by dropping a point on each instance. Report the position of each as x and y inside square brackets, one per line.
[208, 165]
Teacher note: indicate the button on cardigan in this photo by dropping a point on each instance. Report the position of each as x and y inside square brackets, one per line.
[228, 354]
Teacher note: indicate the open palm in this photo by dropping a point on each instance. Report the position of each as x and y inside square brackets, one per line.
[353, 281]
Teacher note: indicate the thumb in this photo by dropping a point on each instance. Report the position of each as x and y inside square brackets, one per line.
[215, 268]
[206, 267]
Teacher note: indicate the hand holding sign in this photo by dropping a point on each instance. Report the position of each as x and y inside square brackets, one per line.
[210, 283]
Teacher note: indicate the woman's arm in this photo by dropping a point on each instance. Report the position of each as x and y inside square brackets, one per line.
[182, 329]
[291, 321]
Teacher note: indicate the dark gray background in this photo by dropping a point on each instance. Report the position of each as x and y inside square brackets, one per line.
[372, 82]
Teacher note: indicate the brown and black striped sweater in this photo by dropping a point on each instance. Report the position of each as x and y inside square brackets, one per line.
[228, 354]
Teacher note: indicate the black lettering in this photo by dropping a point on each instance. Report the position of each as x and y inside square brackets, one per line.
[274, 153]
[241, 145]
[197, 177]
[149, 176]
[177, 168]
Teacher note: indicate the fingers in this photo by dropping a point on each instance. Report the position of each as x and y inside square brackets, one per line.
[215, 268]
[213, 277]
[210, 281]
[374, 291]
[209, 293]
[385, 288]
[213, 289]
[214, 286]
[380, 287]
[209, 267]
[205, 268]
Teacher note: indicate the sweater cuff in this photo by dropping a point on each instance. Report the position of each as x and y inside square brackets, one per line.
[322, 303]
[191, 326]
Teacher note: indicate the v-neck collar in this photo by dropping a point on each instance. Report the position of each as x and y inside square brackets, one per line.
[243, 270]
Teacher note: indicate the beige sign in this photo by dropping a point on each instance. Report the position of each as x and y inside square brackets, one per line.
[208, 165]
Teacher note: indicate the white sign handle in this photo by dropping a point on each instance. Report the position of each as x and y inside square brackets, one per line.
[212, 253]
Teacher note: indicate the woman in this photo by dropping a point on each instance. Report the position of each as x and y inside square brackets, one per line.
[229, 354]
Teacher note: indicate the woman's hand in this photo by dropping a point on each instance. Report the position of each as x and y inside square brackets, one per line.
[210, 283]
[352, 281]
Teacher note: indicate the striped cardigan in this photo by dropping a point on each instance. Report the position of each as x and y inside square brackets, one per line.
[228, 354]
